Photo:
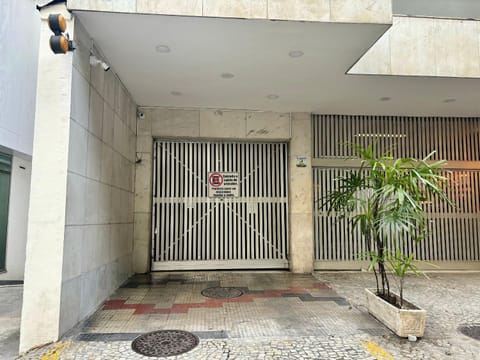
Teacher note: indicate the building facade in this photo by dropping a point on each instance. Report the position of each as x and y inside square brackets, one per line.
[18, 74]
[203, 134]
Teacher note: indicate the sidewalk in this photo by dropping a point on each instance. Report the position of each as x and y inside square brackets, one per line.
[10, 309]
[280, 316]
[451, 299]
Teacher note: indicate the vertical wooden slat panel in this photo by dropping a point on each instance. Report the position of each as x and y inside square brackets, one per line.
[454, 235]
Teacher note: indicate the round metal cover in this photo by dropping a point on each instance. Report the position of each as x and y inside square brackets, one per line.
[165, 343]
[472, 330]
[222, 292]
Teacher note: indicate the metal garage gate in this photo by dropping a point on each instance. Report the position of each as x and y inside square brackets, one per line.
[199, 223]
[455, 231]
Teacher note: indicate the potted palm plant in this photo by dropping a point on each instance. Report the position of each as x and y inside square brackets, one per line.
[386, 198]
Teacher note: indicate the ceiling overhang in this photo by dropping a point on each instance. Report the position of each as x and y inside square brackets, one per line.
[199, 55]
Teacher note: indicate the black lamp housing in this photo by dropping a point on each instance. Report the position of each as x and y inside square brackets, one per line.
[59, 43]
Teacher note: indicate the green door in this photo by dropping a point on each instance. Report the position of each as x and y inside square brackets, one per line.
[5, 169]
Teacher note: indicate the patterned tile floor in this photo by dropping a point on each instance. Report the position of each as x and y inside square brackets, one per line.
[273, 305]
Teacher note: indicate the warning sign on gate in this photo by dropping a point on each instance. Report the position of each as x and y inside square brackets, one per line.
[223, 184]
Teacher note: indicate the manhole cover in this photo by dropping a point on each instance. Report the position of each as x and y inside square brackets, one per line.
[165, 343]
[472, 331]
[222, 292]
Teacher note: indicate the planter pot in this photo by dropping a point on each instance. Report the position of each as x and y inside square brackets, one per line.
[402, 322]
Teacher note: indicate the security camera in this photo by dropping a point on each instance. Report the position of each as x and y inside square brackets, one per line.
[141, 115]
[94, 61]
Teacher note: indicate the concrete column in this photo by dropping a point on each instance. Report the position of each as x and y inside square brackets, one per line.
[46, 223]
[143, 196]
[301, 195]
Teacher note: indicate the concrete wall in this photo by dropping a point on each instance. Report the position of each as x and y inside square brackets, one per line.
[17, 218]
[354, 11]
[19, 39]
[80, 229]
[99, 207]
[225, 125]
[46, 216]
[425, 47]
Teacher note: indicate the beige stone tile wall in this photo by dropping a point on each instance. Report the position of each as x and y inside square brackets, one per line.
[349, 11]
[425, 47]
[224, 125]
[301, 196]
[100, 187]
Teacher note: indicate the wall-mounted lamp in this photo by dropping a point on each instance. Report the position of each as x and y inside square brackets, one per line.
[94, 61]
[59, 43]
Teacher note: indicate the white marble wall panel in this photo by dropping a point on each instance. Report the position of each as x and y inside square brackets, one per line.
[144, 126]
[75, 210]
[143, 184]
[262, 125]
[173, 122]
[108, 125]
[144, 144]
[82, 52]
[249, 9]
[301, 196]
[361, 11]
[308, 10]
[222, 124]
[88, 293]
[109, 88]
[80, 98]
[177, 7]
[70, 303]
[425, 47]
[353, 11]
[72, 264]
[141, 242]
[97, 78]
[100, 198]
[77, 151]
[106, 174]
[94, 157]
[95, 120]
[413, 38]
[377, 59]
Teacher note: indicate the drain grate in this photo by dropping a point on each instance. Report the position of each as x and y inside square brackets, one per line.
[470, 330]
[222, 292]
[165, 343]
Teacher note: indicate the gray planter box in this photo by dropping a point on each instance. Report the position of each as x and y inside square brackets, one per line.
[402, 322]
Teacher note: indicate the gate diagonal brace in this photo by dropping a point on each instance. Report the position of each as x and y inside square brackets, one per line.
[268, 242]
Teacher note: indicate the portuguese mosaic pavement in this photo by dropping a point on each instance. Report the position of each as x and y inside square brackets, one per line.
[279, 316]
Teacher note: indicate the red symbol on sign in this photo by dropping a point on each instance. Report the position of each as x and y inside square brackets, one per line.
[215, 179]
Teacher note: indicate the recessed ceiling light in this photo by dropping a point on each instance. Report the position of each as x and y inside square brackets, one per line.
[385, 98]
[227, 75]
[272, 97]
[176, 93]
[449, 100]
[295, 53]
[162, 48]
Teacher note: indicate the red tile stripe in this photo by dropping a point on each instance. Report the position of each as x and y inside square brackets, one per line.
[209, 303]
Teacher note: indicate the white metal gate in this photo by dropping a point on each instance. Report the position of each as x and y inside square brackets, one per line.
[191, 230]
[454, 241]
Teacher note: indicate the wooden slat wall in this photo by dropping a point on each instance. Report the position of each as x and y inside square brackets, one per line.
[455, 139]
[454, 230]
